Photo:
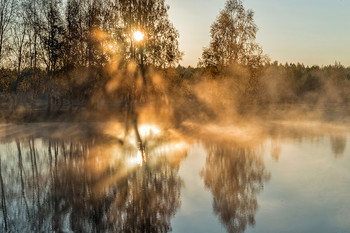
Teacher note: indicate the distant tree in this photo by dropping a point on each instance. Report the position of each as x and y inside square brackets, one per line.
[233, 38]
[18, 35]
[73, 34]
[31, 16]
[7, 13]
[52, 35]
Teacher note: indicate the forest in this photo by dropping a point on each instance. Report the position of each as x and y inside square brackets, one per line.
[81, 58]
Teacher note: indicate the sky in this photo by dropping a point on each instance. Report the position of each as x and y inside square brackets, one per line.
[313, 32]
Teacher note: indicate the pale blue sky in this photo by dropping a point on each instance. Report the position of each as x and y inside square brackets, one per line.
[307, 31]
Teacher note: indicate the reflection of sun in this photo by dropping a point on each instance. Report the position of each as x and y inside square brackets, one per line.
[129, 150]
[139, 157]
[138, 36]
[147, 130]
[135, 160]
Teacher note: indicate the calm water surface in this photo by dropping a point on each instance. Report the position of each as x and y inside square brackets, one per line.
[100, 177]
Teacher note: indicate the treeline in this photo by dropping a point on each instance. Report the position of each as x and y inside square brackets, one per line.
[66, 55]
[296, 83]
[239, 89]
[69, 50]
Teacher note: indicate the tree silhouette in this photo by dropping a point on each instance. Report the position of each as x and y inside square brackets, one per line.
[233, 38]
[160, 45]
[7, 14]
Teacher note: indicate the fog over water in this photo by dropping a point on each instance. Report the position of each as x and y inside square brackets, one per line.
[101, 129]
[280, 176]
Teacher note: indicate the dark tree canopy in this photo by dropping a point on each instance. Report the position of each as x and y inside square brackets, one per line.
[233, 38]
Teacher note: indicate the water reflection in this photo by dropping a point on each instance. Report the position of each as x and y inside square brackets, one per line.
[106, 177]
[235, 176]
[275, 150]
[57, 184]
[140, 200]
[338, 143]
[311, 131]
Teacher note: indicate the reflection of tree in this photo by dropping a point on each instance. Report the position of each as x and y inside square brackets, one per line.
[3, 200]
[234, 176]
[310, 131]
[86, 185]
[338, 143]
[147, 200]
[142, 199]
[275, 150]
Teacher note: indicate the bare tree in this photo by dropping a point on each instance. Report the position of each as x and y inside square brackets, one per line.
[18, 35]
[52, 34]
[31, 15]
[7, 12]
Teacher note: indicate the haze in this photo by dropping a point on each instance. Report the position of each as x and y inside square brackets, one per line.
[313, 32]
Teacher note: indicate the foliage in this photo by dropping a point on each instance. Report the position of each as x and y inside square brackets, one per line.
[233, 39]
[160, 47]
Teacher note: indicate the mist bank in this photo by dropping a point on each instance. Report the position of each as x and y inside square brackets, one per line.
[271, 91]
[80, 60]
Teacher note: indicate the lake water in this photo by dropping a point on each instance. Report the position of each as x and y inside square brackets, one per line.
[99, 177]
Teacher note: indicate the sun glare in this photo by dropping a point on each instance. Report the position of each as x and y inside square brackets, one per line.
[138, 36]
[147, 130]
[139, 157]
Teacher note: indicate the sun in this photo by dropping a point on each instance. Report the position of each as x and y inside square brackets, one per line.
[138, 36]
